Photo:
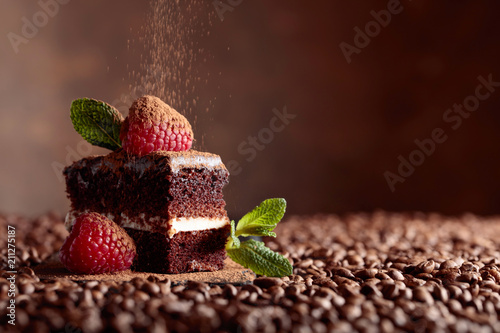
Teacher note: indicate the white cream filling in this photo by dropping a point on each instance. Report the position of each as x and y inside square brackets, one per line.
[172, 226]
[181, 161]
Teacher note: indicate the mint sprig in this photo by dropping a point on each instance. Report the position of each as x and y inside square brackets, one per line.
[97, 122]
[262, 220]
[253, 254]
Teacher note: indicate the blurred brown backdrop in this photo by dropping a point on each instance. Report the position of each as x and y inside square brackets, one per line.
[350, 122]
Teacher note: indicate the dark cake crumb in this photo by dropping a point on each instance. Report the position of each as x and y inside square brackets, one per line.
[185, 252]
[148, 185]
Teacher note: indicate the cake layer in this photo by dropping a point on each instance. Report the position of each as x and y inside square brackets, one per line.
[192, 251]
[170, 227]
[169, 185]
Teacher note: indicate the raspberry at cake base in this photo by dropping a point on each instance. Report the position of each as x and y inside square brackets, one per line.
[170, 202]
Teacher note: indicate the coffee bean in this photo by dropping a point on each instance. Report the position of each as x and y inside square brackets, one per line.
[342, 272]
[252, 289]
[396, 275]
[196, 285]
[441, 294]
[193, 295]
[27, 270]
[351, 311]
[265, 282]
[229, 291]
[308, 282]
[495, 274]
[390, 291]
[421, 294]
[448, 264]
[354, 259]
[305, 263]
[383, 276]
[406, 293]
[454, 291]
[242, 294]
[469, 277]
[455, 306]
[26, 288]
[140, 296]
[366, 273]
[412, 281]
[469, 267]
[465, 297]
[369, 290]
[426, 266]
[424, 276]
[178, 289]
[150, 288]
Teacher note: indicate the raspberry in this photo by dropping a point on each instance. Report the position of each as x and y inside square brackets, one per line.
[152, 126]
[97, 245]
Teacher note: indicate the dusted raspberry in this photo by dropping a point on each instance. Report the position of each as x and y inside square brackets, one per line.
[152, 125]
[97, 245]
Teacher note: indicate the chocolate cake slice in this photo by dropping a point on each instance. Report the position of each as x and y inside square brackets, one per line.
[170, 203]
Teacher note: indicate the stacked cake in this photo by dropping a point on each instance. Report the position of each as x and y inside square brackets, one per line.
[170, 202]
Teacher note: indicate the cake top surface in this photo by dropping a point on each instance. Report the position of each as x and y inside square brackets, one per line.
[176, 160]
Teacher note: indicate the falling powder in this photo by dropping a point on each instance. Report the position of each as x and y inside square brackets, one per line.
[172, 66]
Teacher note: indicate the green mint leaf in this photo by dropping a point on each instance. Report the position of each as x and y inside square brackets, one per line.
[233, 240]
[97, 122]
[262, 220]
[260, 259]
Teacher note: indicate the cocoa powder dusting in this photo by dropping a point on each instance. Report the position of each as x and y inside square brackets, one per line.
[154, 110]
[172, 68]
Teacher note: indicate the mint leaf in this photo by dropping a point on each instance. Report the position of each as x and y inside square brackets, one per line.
[97, 122]
[233, 240]
[253, 254]
[262, 220]
[260, 259]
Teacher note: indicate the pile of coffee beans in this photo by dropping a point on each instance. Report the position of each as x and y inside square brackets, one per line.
[361, 272]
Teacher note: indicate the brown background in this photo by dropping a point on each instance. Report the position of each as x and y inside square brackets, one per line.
[352, 120]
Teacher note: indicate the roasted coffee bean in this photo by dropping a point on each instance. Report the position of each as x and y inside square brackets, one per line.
[229, 291]
[425, 266]
[390, 291]
[343, 272]
[495, 274]
[193, 295]
[351, 311]
[150, 288]
[265, 282]
[396, 275]
[421, 294]
[178, 289]
[354, 259]
[383, 276]
[412, 281]
[196, 285]
[26, 288]
[469, 267]
[441, 294]
[252, 289]
[448, 264]
[366, 273]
